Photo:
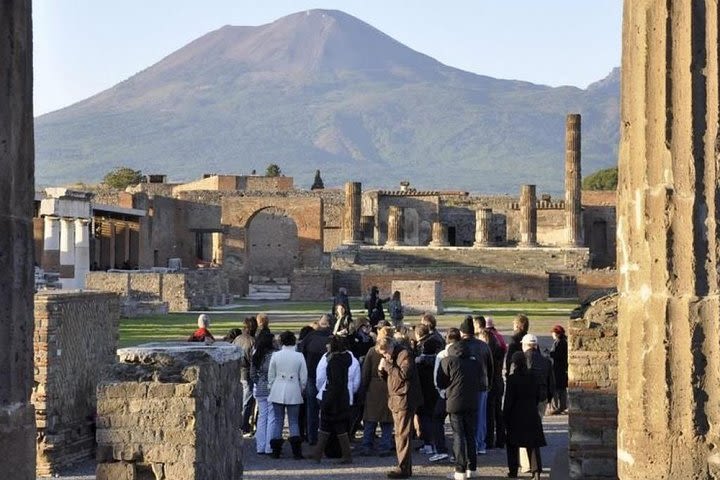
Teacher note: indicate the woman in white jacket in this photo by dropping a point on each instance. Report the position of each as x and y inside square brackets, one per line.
[287, 377]
[338, 379]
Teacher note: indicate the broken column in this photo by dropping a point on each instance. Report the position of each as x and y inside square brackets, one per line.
[528, 216]
[17, 192]
[439, 235]
[67, 252]
[483, 227]
[669, 306]
[51, 244]
[394, 225]
[170, 410]
[573, 181]
[352, 232]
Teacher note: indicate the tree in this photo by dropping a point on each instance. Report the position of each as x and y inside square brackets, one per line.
[317, 183]
[606, 179]
[273, 170]
[122, 177]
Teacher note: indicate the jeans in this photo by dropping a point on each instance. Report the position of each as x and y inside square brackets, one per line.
[247, 406]
[293, 411]
[463, 425]
[481, 425]
[439, 426]
[265, 426]
[312, 408]
[386, 432]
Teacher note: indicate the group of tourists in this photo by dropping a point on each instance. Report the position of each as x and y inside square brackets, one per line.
[340, 375]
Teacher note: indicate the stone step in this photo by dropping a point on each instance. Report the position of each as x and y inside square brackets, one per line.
[268, 296]
[254, 287]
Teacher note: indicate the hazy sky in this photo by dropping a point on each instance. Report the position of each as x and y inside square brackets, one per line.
[85, 46]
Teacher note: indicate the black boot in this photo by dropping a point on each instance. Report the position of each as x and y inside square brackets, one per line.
[344, 441]
[296, 445]
[320, 446]
[276, 445]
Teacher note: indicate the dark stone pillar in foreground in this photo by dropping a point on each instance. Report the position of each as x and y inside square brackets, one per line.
[17, 417]
[669, 307]
[352, 232]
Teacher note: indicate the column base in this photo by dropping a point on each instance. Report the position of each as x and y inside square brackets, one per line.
[439, 244]
[17, 441]
[393, 244]
[528, 245]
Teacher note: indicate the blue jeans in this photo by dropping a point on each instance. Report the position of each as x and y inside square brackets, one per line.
[265, 425]
[247, 406]
[313, 411]
[293, 412]
[481, 421]
[386, 432]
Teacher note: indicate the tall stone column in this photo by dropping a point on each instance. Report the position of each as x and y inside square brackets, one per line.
[573, 180]
[395, 223]
[67, 252]
[218, 250]
[82, 251]
[439, 235]
[528, 216]
[17, 191]
[51, 244]
[352, 232]
[111, 247]
[483, 227]
[669, 299]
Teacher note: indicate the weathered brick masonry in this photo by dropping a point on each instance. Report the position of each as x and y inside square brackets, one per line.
[76, 336]
[170, 411]
[593, 377]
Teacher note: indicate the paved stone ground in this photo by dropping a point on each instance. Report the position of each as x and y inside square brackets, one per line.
[490, 466]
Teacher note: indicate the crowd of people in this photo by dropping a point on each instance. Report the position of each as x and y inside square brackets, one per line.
[341, 374]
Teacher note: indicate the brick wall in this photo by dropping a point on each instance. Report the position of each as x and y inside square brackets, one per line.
[312, 284]
[593, 374]
[171, 411]
[76, 336]
[419, 296]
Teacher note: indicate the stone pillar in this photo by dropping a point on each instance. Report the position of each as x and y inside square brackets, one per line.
[67, 252]
[82, 251]
[528, 216]
[573, 181]
[668, 242]
[51, 244]
[483, 227]
[218, 251]
[439, 235]
[17, 191]
[111, 247]
[352, 233]
[395, 223]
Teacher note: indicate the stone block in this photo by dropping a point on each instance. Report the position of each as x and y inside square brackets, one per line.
[420, 295]
[115, 471]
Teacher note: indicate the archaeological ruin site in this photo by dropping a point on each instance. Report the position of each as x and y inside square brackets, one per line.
[644, 391]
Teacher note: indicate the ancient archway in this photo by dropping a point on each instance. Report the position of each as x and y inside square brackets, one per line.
[272, 244]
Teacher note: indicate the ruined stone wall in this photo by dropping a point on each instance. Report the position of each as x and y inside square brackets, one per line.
[171, 412]
[419, 213]
[181, 291]
[76, 335]
[592, 391]
[456, 284]
[419, 296]
[312, 284]
[592, 281]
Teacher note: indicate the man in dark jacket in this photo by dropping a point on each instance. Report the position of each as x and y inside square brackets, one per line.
[457, 374]
[521, 325]
[313, 347]
[246, 341]
[404, 397]
[483, 358]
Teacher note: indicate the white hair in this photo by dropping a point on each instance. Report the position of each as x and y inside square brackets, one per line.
[203, 320]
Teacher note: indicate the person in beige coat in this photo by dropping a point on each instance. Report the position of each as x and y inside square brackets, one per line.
[287, 377]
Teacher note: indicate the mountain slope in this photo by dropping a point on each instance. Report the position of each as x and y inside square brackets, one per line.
[322, 89]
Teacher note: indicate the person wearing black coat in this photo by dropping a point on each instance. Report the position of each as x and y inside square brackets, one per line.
[246, 341]
[313, 347]
[426, 349]
[521, 325]
[559, 355]
[457, 375]
[484, 362]
[522, 421]
[541, 368]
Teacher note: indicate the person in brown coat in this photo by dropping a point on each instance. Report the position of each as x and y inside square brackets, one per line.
[404, 397]
[376, 402]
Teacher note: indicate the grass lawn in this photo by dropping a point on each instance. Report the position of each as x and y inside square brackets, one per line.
[293, 315]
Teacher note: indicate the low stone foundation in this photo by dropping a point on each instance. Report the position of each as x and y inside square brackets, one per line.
[144, 292]
[420, 296]
[170, 411]
[76, 335]
[311, 284]
[593, 376]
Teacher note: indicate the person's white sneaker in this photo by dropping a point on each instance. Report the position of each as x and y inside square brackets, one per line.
[481, 451]
[438, 457]
[472, 474]
[456, 476]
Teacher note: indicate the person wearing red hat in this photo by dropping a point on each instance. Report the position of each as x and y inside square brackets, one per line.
[559, 355]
